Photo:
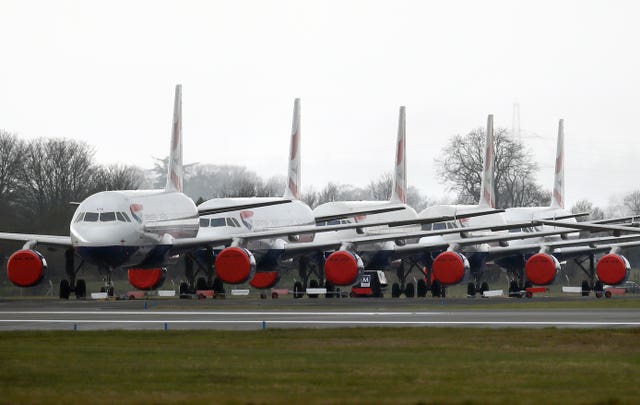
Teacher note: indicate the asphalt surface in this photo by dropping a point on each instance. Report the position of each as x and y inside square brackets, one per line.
[254, 314]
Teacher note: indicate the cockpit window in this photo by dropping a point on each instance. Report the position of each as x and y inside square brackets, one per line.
[439, 226]
[91, 217]
[204, 222]
[80, 217]
[217, 222]
[122, 216]
[107, 216]
[235, 222]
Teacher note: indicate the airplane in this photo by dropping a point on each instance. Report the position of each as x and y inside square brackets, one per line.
[254, 243]
[531, 266]
[467, 254]
[133, 229]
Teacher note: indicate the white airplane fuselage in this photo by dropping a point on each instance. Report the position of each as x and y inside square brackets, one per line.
[132, 228]
[453, 210]
[293, 213]
[375, 254]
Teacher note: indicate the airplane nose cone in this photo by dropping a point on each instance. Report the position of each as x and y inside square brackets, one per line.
[110, 245]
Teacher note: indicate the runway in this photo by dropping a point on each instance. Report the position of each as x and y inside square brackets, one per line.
[181, 315]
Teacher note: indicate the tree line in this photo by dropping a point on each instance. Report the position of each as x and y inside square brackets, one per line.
[41, 178]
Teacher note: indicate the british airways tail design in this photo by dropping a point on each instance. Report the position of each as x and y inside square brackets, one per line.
[175, 175]
[399, 187]
[294, 172]
[487, 188]
[557, 200]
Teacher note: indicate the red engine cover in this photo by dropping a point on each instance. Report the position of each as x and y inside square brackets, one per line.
[265, 279]
[25, 268]
[342, 268]
[541, 269]
[235, 265]
[146, 279]
[612, 269]
[449, 267]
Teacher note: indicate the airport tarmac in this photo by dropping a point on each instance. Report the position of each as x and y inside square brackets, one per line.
[249, 314]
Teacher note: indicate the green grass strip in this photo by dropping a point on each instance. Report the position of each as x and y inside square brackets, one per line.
[353, 365]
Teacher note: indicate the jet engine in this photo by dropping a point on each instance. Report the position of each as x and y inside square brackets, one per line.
[26, 268]
[343, 267]
[235, 265]
[613, 269]
[264, 279]
[147, 279]
[541, 269]
[450, 267]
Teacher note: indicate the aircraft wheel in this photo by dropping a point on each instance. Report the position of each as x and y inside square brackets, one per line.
[330, 289]
[599, 287]
[263, 295]
[274, 295]
[484, 287]
[410, 291]
[585, 288]
[297, 290]
[201, 284]
[471, 290]
[183, 289]
[110, 291]
[65, 289]
[422, 288]
[313, 284]
[395, 290]
[598, 295]
[81, 289]
[436, 288]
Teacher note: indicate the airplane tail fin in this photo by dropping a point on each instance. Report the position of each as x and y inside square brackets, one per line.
[487, 189]
[294, 173]
[399, 186]
[175, 172]
[557, 199]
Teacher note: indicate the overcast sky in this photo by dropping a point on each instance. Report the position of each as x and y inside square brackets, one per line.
[104, 72]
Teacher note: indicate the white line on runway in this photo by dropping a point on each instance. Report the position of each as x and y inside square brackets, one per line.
[260, 321]
[252, 313]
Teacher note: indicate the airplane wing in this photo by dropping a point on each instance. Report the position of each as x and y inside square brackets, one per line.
[586, 245]
[351, 214]
[238, 207]
[594, 227]
[54, 240]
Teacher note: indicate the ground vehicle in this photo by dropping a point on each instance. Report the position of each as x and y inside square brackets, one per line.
[628, 287]
[372, 284]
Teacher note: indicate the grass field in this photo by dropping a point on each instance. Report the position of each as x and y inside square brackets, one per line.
[373, 365]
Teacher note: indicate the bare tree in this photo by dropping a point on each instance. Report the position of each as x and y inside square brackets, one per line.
[461, 168]
[55, 172]
[632, 202]
[380, 190]
[595, 213]
[118, 177]
[12, 150]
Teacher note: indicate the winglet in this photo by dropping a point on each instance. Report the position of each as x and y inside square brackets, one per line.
[487, 189]
[294, 174]
[399, 187]
[557, 200]
[175, 173]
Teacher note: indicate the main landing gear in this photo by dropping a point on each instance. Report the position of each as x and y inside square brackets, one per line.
[70, 285]
[202, 276]
[421, 287]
